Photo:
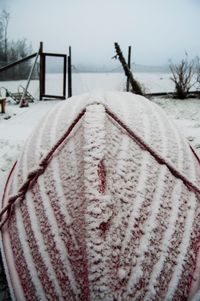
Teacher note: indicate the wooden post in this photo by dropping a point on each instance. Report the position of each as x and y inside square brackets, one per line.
[69, 74]
[3, 104]
[136, 88]
[42, 72]
[129, 65]
[64, 77]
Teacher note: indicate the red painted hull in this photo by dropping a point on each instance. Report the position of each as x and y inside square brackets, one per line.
[113, 215]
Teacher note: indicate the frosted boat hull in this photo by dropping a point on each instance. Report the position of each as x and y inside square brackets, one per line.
[113, 215]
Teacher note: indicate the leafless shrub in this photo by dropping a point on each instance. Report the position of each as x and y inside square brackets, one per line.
[183, 75]
[198, 73]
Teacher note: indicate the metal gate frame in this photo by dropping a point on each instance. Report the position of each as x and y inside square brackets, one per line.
[43, 56]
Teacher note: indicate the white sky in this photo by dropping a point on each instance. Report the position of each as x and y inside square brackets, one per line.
[158, 30]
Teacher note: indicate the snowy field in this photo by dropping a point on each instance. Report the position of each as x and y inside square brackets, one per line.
[17, 124]
[84, 82]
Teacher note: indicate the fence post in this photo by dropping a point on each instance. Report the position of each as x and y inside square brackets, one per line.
[129, 65]
[69, 73]
[136, 88]
[64, 76]
[42, 71]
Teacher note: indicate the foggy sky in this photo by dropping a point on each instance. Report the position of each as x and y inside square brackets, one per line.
[158, 30]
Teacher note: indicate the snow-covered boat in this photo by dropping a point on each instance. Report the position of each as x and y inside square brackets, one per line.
[103, 204]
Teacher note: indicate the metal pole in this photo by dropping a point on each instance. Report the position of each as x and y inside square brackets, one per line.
[22, 100]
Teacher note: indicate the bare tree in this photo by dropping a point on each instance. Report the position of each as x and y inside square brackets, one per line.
[198, 73]
[183, 75]
[5, 16]
[11, 51]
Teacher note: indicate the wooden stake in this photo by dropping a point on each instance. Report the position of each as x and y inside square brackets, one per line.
[129, 65]
[42, 71]
[69, 74]
[136, 88]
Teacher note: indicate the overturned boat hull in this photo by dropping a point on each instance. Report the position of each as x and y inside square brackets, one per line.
[108, 207]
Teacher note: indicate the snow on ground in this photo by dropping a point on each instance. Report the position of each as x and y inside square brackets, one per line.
[186, 116]
[15, 126]
[85, 82]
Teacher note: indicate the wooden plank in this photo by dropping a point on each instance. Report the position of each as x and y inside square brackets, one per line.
[53, 96]
[159, 93]
[53, 54]
[18, 62]
[170, 93]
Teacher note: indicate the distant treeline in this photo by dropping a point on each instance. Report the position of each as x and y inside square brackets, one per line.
[11, 51]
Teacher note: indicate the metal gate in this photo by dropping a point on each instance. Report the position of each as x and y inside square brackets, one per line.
[43, 59]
